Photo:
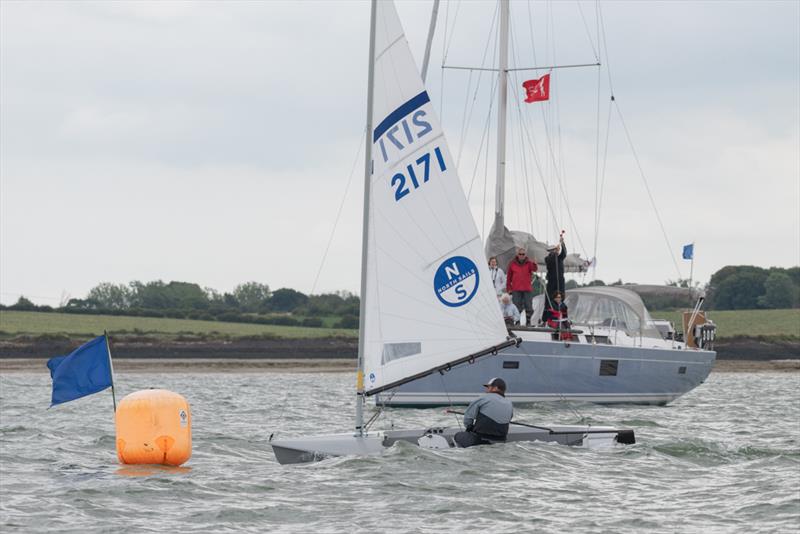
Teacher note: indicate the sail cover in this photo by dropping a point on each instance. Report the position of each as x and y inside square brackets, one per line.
[429, 297]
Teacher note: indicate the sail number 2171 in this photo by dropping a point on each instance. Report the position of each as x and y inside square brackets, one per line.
[423, 166]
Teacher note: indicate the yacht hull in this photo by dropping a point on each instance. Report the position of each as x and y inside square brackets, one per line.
[539, 371]
[315, 448]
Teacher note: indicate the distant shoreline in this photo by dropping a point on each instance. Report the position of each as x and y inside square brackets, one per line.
[311, 365]
[323, 348]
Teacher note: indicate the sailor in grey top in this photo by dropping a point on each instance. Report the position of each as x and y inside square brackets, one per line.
[488, 417]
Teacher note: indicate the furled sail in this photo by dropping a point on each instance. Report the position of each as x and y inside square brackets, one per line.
[429, 297]
[502, 243]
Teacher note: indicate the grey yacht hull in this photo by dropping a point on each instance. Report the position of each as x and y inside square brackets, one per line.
[553, 370]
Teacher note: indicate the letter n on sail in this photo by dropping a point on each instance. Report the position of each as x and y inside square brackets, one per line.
[452, 271]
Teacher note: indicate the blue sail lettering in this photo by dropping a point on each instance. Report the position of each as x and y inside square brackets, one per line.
[407, 130]
[390, 135]
[451, 271]
[461, 293]
[416, 118]
[383, 151]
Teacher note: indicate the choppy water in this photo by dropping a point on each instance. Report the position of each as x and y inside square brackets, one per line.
[724, 458]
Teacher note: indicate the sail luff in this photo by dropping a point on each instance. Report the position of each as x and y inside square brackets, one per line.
[365, 223]
[428, 299]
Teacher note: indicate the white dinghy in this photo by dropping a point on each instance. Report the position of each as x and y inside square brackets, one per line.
[427, 303]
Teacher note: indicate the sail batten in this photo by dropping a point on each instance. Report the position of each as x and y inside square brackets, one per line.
[429, 297]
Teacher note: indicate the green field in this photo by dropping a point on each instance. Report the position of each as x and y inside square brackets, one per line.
[774, 324]
[17, 323]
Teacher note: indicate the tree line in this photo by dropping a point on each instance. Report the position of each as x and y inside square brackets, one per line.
[251, 302]
[733, 287]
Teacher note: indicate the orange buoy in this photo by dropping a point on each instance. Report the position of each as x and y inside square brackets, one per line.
[154, 426]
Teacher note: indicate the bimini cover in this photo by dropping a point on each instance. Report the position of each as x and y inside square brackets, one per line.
[429, 296]
[609, 306]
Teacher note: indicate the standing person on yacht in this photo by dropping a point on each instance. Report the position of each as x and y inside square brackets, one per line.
[498, 276]
[519, 280]
[487, 418]
[555, 267]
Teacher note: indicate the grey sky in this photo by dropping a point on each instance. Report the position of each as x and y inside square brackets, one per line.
[212, 142]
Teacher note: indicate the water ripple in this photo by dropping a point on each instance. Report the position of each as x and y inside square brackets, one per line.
[724, 458]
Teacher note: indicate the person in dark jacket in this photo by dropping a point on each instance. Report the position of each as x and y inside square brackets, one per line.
[519, 282]
[555, 316]
[554, 261]
[487, 418]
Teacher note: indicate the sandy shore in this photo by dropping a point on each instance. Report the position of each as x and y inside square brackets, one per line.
[311, 365]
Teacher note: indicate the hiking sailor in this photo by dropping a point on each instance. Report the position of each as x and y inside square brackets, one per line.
[487, 418]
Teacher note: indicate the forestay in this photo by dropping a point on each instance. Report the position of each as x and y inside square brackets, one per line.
[429, 297]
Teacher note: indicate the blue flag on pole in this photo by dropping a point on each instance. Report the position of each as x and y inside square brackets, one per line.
[85, 371]
[688, 251]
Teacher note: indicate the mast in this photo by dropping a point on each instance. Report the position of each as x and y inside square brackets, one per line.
[362, 311]
[431, 30]
[502, 100]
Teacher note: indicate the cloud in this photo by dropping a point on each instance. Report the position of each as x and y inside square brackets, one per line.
[212, 142]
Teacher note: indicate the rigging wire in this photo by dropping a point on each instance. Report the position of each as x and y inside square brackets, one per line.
[602, 190]
[588, 32]
[647, 188]
[633, 149]
[483, 139]
[361, 144]
[485, 178]
[467, 118]
[597, 188]
[523, 160]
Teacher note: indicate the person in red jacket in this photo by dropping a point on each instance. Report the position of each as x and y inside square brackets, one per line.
[519, 278]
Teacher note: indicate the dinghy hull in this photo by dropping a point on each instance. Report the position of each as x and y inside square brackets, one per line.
[315, 448]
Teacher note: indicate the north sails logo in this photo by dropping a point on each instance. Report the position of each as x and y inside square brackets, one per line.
[456, 281]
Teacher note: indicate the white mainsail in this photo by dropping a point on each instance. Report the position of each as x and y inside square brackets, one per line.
[429, 297]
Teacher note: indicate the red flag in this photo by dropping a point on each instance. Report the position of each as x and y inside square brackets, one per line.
[537, 90]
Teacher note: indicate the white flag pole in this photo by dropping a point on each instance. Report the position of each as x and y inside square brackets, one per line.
[111, 366]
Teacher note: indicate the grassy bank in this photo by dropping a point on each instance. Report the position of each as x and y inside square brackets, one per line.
[768, 324]
[18, 323]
